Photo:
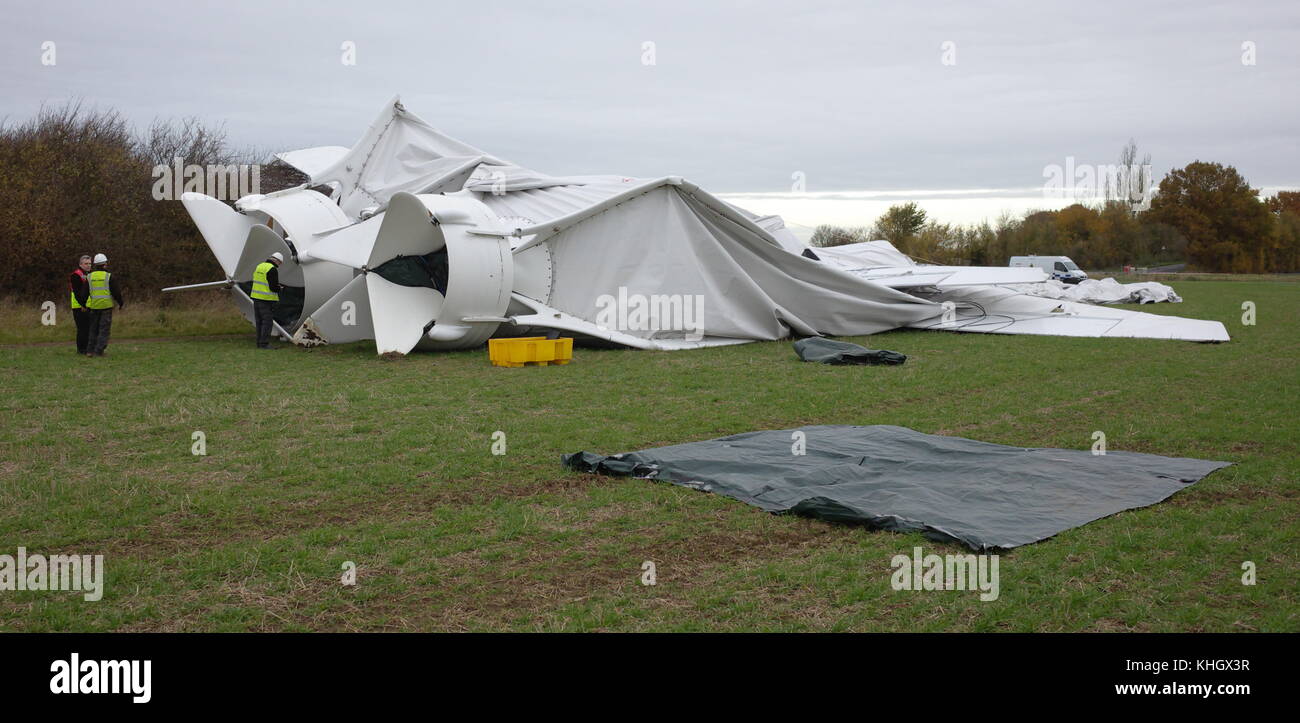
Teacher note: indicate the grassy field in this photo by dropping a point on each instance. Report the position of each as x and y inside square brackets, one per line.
[319, 457]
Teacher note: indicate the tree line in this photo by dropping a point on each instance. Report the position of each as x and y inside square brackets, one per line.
[1204, 214]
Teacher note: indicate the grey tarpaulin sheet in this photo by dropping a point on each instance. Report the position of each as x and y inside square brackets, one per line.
[987, 496]
[828, 351]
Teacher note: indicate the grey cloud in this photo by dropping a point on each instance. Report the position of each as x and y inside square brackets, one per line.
[742, 95]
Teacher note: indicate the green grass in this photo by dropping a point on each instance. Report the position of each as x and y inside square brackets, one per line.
[317, 457]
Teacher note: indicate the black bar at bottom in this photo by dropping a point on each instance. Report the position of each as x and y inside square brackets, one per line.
[216, 672]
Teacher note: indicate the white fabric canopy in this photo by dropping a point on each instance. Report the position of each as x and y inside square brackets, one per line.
[400, 152]
[675, 241]
[313, 161]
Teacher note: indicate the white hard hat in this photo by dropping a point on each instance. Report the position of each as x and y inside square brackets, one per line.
[101, 259]
[278, 256]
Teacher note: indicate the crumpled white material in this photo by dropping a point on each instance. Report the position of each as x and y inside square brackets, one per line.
[1102, 291]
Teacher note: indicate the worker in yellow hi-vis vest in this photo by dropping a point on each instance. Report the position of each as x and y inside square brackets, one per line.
[266, 291]
[80, 314]
[102, 290]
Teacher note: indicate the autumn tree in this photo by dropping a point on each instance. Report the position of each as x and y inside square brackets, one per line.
[827, 235]
[1226, 226]
[1285, 207]
[901, 223]
[1284, 201]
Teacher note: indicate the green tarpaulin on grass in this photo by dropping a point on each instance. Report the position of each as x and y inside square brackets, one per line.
[986, 496]
[829, 351]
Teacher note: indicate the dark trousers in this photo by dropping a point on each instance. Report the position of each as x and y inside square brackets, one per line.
[82, 317]
[101, 326]
[264, 317]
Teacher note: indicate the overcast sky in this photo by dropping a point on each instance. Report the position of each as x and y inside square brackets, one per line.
[740, 95]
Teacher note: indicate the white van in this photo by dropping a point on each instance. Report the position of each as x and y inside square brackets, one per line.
[1060, 268]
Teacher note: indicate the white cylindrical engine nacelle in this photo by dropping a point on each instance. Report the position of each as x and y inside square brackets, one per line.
[435, 273]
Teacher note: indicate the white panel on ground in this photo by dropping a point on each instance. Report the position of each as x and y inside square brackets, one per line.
[1156, 326]
[992, 309]
[400, 313]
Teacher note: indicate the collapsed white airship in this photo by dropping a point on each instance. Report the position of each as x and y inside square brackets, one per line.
[425, 242]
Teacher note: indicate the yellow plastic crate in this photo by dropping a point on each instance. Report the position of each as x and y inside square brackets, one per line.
[529, 351]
